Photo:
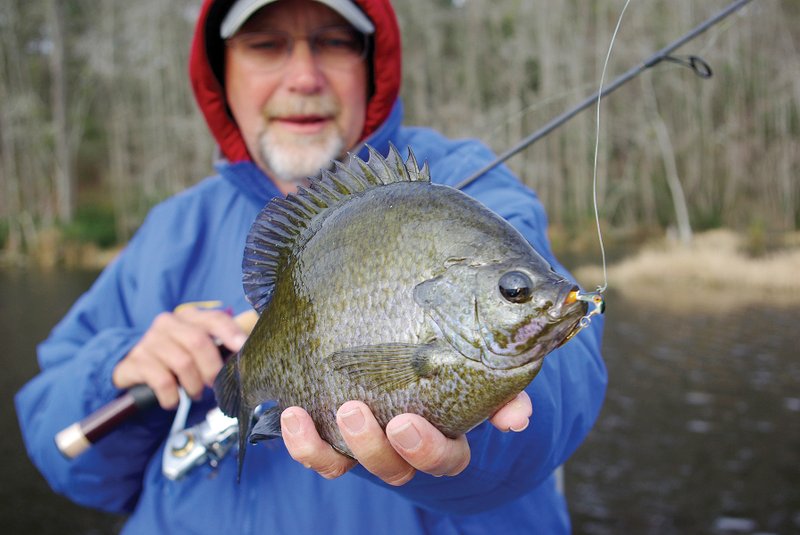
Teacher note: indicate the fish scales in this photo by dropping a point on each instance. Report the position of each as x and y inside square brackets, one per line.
[384, 287]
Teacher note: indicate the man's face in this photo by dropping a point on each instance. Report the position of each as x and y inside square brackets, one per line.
[298, 117]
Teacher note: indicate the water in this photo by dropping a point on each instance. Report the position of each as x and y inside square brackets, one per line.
[699, 433]
[30, 305]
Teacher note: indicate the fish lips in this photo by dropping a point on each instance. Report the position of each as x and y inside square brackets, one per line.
[532, 339]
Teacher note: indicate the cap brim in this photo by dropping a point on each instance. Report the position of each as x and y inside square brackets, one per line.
[242, 10]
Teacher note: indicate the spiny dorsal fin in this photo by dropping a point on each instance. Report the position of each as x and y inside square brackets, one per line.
[284, 224]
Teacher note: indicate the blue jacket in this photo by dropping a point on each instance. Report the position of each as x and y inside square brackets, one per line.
[190, 249]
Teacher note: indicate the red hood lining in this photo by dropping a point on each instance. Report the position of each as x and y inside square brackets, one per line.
[206, 72]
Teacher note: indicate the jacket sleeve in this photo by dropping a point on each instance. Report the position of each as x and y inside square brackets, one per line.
[77, 361]
[567, 394]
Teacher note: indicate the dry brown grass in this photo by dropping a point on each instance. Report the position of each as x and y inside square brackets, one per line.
[713, 273]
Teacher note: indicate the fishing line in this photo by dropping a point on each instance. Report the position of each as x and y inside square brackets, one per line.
[601, 289]
[595, 298]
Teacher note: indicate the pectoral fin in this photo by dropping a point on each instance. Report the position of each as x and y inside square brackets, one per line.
[390, 366]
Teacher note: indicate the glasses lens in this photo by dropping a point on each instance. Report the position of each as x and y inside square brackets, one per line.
[332, 46]
[338, 44]
[267, 49]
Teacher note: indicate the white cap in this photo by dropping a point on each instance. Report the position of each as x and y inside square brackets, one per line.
[244, 9]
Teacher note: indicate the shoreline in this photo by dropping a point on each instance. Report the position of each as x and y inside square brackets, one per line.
[713, 273]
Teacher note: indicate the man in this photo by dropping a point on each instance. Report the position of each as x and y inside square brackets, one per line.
[286, 86]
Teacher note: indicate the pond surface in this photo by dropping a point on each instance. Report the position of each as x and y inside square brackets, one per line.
[700, 432]
[31, 303]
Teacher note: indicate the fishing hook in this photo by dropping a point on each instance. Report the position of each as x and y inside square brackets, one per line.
[598, 305]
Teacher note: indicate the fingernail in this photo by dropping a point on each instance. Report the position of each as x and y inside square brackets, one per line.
[353, 420]
[407, 436]
[522, 427]
[290, 423]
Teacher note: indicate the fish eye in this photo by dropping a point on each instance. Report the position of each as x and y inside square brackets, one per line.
[516, 287]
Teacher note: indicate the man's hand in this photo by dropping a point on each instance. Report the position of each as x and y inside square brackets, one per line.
[178, 349]
[410, 442]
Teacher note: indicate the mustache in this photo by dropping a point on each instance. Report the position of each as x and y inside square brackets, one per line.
[313, 105]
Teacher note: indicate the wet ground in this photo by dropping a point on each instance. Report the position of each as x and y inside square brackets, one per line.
[700, 432]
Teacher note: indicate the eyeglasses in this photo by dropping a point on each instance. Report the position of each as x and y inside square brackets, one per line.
[331, 46]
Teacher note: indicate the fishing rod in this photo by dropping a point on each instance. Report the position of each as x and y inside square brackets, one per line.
[698, 65]
[80, 436]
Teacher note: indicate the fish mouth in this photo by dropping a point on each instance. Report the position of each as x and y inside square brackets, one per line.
[566, 315]
[535, 337]
[567, 304]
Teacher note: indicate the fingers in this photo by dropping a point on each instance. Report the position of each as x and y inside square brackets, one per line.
[306, 447]
[230, 331]
[179, 349]
[370, 445]
[409, 444]
[425, 448]
[139, 368]
[515, 415]
[193, 354]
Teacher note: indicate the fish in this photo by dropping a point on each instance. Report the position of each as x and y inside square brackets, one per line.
[375, 284]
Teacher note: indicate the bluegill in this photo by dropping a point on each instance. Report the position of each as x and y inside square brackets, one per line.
[374, 284]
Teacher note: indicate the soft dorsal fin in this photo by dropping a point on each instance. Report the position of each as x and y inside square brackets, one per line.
[284, 224]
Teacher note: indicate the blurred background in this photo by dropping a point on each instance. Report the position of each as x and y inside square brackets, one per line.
[698, 193]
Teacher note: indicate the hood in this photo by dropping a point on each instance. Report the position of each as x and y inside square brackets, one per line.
[206, 72]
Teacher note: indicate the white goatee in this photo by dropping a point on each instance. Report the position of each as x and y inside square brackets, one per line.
[293, 157]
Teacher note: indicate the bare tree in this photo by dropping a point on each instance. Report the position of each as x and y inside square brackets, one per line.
[96, 99]
[64, 175]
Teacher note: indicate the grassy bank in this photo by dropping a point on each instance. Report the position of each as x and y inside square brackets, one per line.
[720, 269]
[53, 250]
[716, 272]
